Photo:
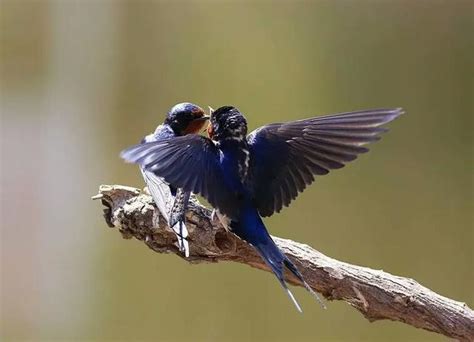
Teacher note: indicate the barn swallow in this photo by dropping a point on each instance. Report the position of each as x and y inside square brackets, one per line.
[183, 118]
[246, 177]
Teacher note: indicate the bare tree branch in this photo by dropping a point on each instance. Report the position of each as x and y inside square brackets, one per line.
[375, 293]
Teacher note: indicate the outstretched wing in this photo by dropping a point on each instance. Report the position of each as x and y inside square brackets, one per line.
[284, 157]
[189, 162]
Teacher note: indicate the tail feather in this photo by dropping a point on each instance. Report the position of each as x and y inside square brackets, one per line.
[251, 229]
[175, 217]
[298, 275]
[181, 234]
[274, 259]
[288, 292]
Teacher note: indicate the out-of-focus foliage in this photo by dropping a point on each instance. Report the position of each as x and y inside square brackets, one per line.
[80, 80]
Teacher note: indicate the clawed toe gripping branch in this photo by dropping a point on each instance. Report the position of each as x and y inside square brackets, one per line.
[376, 294]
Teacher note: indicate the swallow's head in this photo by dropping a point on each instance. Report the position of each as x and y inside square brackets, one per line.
[185, 118]
[227, 123]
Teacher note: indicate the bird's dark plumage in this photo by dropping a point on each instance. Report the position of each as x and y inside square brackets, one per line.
[285, 157]
[248, 177]
[182, 119]
[171, 158]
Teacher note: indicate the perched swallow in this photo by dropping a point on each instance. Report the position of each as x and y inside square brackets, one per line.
[183, 118]
[246, 177]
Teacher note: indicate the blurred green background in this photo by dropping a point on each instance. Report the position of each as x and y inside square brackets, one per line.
[80, 80]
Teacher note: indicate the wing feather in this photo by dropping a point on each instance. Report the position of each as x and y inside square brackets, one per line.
[189, 162]
[285, 157]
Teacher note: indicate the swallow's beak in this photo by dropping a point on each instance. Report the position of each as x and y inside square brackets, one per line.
[210, 130]
[211, 110]
[202, 118]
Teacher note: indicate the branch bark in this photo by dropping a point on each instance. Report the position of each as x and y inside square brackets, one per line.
[375, 293]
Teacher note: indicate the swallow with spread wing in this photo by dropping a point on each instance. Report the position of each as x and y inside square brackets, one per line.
[247, 177]
[183, 118]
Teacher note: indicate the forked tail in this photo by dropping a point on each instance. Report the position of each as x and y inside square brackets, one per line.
[252, 230]
[275, 262]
